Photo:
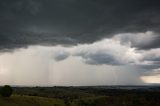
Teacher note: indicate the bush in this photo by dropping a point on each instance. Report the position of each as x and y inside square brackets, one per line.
[6, 91]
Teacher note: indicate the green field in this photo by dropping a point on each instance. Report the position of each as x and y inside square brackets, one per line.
[17, 100]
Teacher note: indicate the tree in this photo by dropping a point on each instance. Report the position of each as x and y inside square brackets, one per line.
[6, 91]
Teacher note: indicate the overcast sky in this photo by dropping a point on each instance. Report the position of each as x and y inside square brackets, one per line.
[79, 42]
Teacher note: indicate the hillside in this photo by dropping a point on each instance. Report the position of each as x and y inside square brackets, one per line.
[17, 100]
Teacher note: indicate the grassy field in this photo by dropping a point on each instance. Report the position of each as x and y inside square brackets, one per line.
[82, 96]
[17, 100]
[130, 100]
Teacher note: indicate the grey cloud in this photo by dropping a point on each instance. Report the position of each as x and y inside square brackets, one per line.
[59, 56]
[151, 59]
[52, 22]
[152, 55]
[100, 59]
[18, 40]
[145, 40]
[106, 51]
[152, 73]
[149, 67]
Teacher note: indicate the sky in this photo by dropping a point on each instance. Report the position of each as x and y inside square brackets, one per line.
[79, 42]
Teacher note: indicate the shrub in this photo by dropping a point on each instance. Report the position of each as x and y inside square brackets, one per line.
[6, 91]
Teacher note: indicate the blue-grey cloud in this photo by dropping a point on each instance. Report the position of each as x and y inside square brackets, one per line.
[61, 55]
[100, 59]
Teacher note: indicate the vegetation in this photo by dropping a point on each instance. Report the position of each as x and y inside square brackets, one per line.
[6, 91]
[82, 96]
[17, 100]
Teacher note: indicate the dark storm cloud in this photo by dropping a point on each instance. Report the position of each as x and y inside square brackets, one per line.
[51, 22]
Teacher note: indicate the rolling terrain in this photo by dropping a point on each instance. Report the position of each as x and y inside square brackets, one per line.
[84, 96]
